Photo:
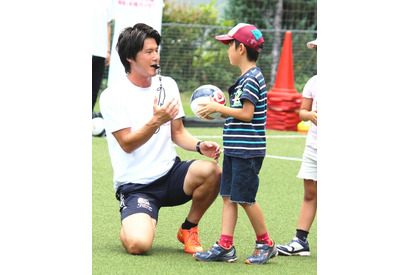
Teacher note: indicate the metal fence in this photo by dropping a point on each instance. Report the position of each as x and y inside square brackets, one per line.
[193, 57]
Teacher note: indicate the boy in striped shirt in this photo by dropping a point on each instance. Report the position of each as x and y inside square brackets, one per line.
[244, 144]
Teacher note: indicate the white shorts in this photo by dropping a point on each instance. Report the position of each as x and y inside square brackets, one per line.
[308, 170]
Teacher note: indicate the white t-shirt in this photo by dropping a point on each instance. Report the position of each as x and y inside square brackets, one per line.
[103, 12]
[125, 105]
[310, 91]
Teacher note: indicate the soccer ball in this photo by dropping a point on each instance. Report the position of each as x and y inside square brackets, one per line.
[201, 95]
[98, 127]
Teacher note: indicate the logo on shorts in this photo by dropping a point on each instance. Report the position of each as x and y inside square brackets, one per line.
[122, 203]
[144, 203]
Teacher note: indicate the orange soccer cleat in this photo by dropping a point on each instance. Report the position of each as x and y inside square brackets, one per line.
[190, 238]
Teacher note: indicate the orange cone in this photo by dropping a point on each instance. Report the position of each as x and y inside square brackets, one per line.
[284, 77]
[283, 99]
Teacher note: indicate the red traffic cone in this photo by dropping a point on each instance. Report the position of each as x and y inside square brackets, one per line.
[284, 77]
[283, 99]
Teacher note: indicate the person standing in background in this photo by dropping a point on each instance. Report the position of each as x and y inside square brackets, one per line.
[299, 245]
[101, 48]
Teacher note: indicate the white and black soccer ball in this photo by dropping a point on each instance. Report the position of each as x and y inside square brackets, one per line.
[98, 126]
[201, 95]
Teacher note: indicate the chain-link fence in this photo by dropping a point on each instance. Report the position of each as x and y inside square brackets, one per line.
[193, 57]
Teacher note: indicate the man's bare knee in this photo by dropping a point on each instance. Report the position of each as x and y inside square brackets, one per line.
[203, 175]
[215, 173]
[137, 233]
[137, 246]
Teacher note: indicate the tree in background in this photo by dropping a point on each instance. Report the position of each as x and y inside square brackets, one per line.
[277, 15]
[295, 14]
[190, 53]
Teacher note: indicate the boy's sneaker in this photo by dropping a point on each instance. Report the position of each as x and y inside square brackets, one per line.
[217, 254]
[190, 238]
[296, 247]
[263, 252]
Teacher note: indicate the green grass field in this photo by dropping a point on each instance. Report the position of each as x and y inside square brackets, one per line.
[280, 195]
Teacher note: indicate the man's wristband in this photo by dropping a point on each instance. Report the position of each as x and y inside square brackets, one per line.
[197, 147]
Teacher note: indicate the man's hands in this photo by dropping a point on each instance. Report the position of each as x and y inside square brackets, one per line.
[165, 113]
[168, 112]
[210, 149]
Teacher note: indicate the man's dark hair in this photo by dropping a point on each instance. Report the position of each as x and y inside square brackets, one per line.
[131, 41]
[251, 53]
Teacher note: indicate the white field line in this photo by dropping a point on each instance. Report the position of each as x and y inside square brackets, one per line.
[270, 156]
[289, 136]
[285, 158]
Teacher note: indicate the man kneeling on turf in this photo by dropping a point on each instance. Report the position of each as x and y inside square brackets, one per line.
[142, 114]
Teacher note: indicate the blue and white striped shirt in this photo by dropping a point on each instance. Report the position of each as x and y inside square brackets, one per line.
[247, 139]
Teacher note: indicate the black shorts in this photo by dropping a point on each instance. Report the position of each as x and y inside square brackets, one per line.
[149, 198]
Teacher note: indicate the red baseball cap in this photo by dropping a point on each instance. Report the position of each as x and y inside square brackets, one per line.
[247, 34]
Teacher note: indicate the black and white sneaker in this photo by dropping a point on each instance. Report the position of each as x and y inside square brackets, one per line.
[296, 247]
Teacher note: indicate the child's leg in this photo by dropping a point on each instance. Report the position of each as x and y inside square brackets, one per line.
[299, 245]
[229, 219]
[309, 205]
[229, 216]
[255, 216]
[265, 248]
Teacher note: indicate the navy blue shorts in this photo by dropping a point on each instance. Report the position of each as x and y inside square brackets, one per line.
[149, 198]
[240, 180]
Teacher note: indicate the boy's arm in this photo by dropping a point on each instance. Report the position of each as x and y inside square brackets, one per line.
[245, 113]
